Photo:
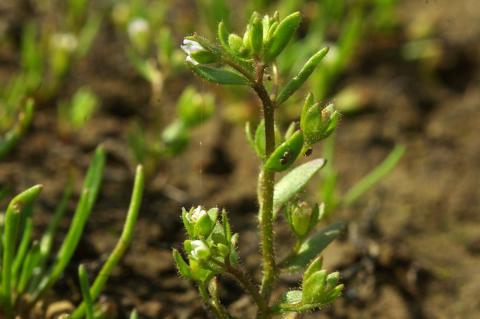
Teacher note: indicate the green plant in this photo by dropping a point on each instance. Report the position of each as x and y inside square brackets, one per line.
[74, 114]
[11, 137]
[152, 52]
[211, 250]
[29, 267]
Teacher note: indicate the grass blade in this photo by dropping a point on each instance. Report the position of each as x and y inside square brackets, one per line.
[85, 288]
[84, 207]
[374, 176]
[122, 244]
[13, 217]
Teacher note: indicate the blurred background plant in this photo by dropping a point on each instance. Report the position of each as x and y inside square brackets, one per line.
[155, 55]
[29, 267]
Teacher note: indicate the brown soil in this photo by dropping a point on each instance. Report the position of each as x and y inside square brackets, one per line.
[412, 249]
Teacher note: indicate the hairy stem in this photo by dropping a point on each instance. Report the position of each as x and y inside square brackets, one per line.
[245, 282]
[207, 300]
[266, 185]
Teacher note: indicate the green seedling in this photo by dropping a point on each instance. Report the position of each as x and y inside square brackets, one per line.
[74, 114]
[29, 267]
[211, 246]
[10, 139]
[155, 139]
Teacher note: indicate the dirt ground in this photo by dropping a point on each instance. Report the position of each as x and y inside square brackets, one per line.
[412, 249]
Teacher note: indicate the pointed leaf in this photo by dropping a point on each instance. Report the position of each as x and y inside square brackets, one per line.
[285, 154]
[294, 182]
[282, 35]
[219, 76]
[312, 247]
[181, 264]
[295, 83]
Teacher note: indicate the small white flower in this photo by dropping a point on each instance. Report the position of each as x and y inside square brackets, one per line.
[196, 214]
[200, 250]
[190, 47]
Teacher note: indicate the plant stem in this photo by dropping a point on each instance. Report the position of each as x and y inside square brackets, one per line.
[211, 306]
[265, 191]
[245, 282]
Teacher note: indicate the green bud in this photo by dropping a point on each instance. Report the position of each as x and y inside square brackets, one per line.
[315, 265]
[223, 35]
[194, 108]
[266, 27]
[317, 123]
[256, 34]
[198, 222]
[285, 154]
[235, 43]
[332, 280]
[199, 250]
[282, 35]
[302, 218]
[313, 287]
[246, 37]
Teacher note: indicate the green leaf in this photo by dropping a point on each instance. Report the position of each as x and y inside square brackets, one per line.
[295, 83]
[282, 35]
[85, 289]
[285, 154]
[181, 264]
[287, 300]
[222, 34]
[312, 247]
[294, 182]
[219, 76]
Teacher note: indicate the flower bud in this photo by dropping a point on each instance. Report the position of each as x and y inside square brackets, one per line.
[313, 287]
[332, 280]
[197, 54]
[302, 218]
[236, 44]
[317, 123]
[256, 34]
[200, 250]
[198, 222]
[139, 33]
[194, 108]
